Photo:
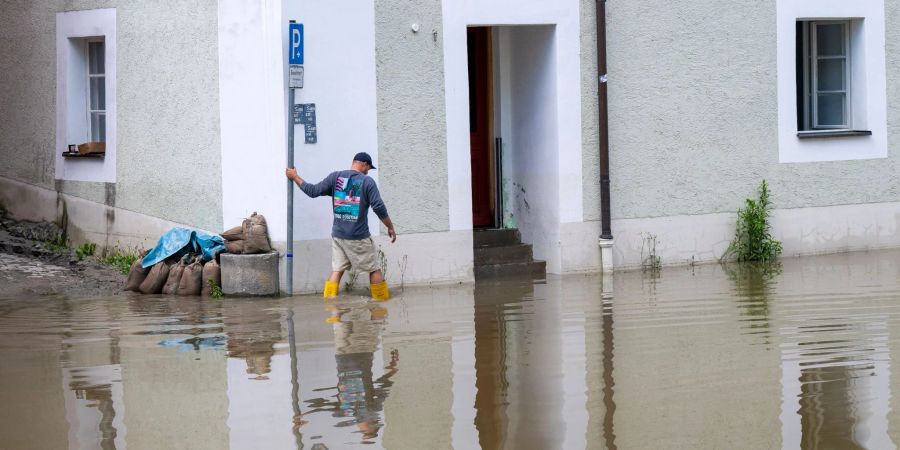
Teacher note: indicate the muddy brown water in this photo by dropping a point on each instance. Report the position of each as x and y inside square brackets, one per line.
[797, 356]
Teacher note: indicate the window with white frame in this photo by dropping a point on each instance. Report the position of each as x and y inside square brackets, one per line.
[86, 95]
[824, 75]
[96, 90]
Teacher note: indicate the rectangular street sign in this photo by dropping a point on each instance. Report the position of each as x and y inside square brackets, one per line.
[295, 76]
[295, 43]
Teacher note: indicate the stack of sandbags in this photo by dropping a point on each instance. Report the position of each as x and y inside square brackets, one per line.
[189, 276]
[249, 238]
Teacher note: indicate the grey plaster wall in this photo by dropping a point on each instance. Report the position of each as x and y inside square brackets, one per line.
[590, 112]
[412, 126]
[169, 163]
[168, 155]
[693, 113]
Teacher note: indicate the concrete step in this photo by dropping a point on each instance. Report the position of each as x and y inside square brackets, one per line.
[496, 237]
[516, 253]
[535, 269]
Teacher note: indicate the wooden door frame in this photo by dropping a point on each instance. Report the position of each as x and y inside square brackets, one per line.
[490, 144]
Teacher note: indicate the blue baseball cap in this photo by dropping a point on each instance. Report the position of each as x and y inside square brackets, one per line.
[364, 157]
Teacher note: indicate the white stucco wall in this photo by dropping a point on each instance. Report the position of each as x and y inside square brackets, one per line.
[339, 77]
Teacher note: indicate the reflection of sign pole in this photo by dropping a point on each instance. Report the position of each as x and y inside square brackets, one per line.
[295, 382]
[295, 80]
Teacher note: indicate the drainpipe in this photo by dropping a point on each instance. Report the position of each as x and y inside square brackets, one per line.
[606, 238]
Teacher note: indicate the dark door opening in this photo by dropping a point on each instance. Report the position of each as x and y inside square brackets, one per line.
[481, 128]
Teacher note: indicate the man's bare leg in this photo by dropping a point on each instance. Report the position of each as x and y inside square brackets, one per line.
[376, 277]
[335, 277]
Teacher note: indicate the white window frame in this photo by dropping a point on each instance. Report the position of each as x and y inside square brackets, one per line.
[73, 30]
[810, 76]
[89, 77]
[868, 138]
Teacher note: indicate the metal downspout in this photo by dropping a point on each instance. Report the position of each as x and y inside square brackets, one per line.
[606, 237]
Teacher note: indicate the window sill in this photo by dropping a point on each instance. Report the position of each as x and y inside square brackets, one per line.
[832, 133]
[83, 155]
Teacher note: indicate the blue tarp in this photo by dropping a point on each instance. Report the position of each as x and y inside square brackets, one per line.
[180, 241]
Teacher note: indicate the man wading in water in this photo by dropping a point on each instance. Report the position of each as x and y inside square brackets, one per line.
[352, 193]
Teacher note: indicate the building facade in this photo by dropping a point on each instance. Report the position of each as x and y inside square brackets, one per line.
[478, 113]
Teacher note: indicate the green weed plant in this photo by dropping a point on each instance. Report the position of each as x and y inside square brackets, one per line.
[215, 291]
[85, 250]
[753, 239]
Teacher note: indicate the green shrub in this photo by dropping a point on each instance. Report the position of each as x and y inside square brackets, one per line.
[85, 250]
[120, 259]
[753, 239]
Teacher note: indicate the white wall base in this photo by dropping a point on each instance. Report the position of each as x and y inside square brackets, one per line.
[443, 257]
[87, 221]
[579, 251]
[803, 231]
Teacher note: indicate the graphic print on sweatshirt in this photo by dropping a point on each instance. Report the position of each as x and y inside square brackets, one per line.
[347, 193]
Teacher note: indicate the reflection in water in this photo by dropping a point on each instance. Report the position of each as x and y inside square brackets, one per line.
[360, 395]
[609, 383]
[754, 283]
[252, 334]
[734, 357]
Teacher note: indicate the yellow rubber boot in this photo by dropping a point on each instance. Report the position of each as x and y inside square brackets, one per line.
[331, 289]
[380, 291]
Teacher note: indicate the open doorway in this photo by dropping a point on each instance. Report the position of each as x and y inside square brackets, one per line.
[486, 201]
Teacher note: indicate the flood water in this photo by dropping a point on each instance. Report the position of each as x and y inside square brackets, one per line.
[796, 356]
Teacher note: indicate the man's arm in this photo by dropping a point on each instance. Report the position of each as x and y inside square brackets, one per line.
[378, 206]
[390, 227]
[323, 187]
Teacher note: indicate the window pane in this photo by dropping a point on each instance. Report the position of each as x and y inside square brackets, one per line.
[831, 74]
[98, 93]
[830, 39]
[831, 109]
[98, 127]
[96, 57]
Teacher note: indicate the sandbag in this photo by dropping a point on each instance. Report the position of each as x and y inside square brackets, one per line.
[156, 279]
[211, 271]
[191, 279]
[233, 234]
[236, 247]
[175, 273]
[256, 235]
[136, 275]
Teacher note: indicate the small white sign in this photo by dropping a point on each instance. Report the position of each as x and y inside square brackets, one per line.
[295, 76]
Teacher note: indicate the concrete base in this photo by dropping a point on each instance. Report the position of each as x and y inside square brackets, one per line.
[88, 221]
[250, 275]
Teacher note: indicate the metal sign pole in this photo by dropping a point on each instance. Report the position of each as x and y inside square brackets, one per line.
[295, 80]
[290, 195]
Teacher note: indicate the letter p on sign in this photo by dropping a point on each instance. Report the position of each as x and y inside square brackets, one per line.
[295, 49]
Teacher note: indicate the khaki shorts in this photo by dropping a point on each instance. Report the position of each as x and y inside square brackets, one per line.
[359, 254]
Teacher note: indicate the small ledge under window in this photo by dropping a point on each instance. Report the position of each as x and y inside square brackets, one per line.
[831, 133]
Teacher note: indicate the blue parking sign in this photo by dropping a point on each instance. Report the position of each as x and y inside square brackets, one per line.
[295, 43]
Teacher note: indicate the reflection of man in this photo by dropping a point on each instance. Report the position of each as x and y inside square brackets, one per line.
[356, 334]
[352, 193]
